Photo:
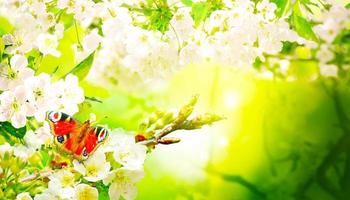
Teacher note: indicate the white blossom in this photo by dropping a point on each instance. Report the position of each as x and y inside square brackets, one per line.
[24, 196]
[125, 150]
[62, 184]
[68, 94]
[39, 94]
[14, 74]
[122, 182]
[13, 107]
[47, 44]
[329, 70]
[5, 148]
[95, 168]
[266, 9]
[85, 192]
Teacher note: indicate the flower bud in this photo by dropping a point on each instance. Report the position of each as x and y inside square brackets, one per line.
[186, 110]
[169, 140]
[139, 138]
[159, 124]
[201, 120]
[152, 118]
[5, 160]
[35, 159]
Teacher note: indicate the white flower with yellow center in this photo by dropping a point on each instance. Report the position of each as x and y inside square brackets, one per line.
[85, 192]
[47, 44]
[123, 183]
[24, 196]
[14, 74]
[13, 107]
[40, 98]
[62, 184]
[47, 194]
[95, 168]
[125, 150]
[266, 9]
[68, 94]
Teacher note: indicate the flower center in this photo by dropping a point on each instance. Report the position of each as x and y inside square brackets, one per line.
[38, 93]
[85, 194]
[67, 181]
[124, 155]
[91, 170]
[12, 75]
[15, 106]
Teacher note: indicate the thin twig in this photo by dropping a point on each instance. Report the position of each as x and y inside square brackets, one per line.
[36, 175]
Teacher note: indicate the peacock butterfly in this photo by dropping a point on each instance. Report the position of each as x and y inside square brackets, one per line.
[78, 139]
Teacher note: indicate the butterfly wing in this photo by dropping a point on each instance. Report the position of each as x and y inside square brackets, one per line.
[79, 139]
[64, 128]
[95, 137]
[61, 124]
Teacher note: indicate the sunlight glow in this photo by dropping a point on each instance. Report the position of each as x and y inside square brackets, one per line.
[231, 99]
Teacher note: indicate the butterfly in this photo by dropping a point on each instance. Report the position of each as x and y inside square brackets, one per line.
[78, 139]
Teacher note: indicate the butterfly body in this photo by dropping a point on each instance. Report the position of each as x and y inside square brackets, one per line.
[79, 139]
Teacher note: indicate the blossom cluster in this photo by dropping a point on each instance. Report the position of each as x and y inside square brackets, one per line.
[332, 23]
[118, 165]
[233, 36]
[328, 50]
[25, 95]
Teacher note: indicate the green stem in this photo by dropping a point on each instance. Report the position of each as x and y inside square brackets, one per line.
[77, 34]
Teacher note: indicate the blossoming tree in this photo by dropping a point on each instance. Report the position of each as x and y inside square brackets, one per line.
[52, 50]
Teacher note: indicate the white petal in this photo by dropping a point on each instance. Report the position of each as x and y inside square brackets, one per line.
[18, 120]
[24, 196]
[114, 192]
[79, 167]
[20, 94]
[26, 73]
[85, 192]
[18, 61]
[7, 98]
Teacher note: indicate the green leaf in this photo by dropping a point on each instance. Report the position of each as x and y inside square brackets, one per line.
[200, 12]
[7, 137]
[65, 63]
[46, 158]
[187, 2]
[301, 25]
[5, 26]
[347, 6]
[282, 7]
[16, 132]
[303, 28]
[83, 68]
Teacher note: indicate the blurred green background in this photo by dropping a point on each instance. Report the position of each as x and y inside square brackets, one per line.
[280, 139]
